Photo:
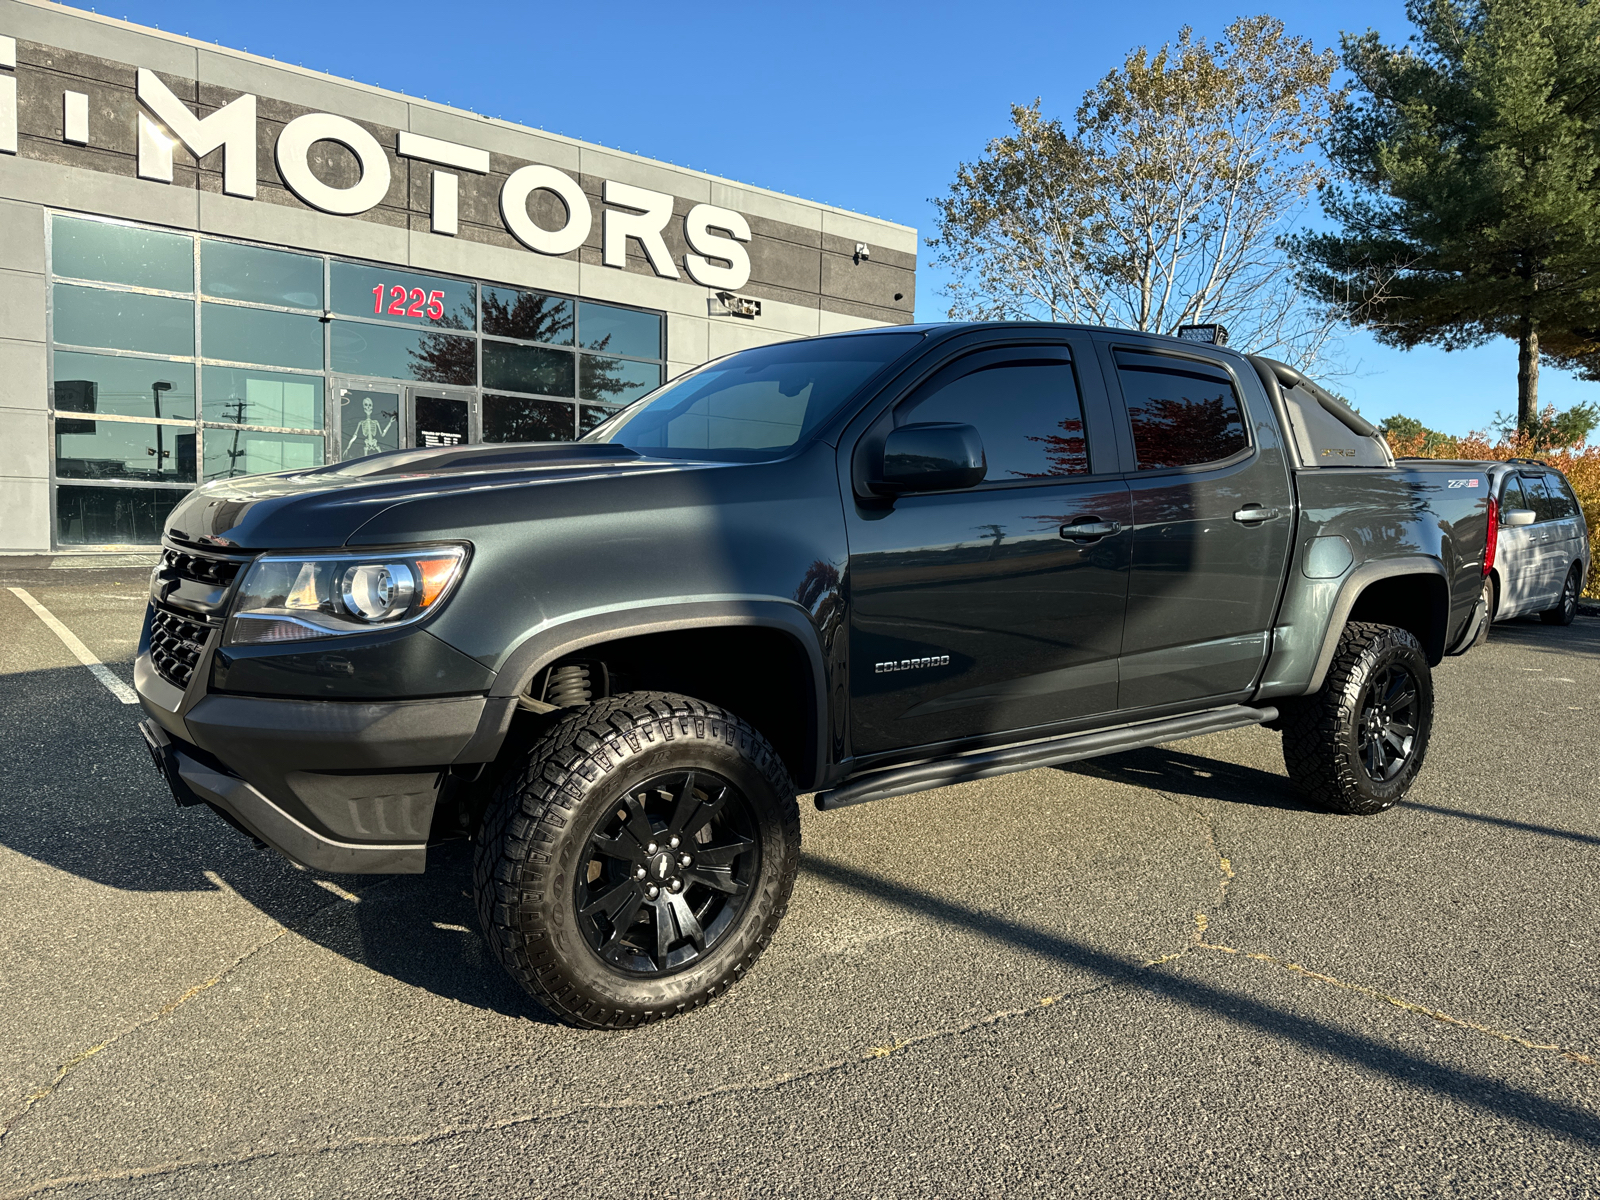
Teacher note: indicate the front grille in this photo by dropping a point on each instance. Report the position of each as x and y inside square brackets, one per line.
[176, 644]
[202, 568]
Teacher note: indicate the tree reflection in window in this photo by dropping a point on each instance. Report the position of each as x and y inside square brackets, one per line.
[1180, 418]
[530, 316]
[1067, 451]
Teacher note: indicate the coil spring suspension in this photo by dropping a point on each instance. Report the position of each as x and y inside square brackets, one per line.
[568, 686]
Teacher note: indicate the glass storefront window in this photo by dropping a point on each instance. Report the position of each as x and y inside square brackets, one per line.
[242, 396]
[616, 380]
[517, 419]
[360, 348]
[105, 516]
[441, 421]
[123, 386]
[137, 451]
[389, 295]
[261, 335]
[531, 316]
[86, 316]
[369, 420]
[230, 271]
[527, 368]
[121, 254]
[234, 452]
[589, 416]
[619, 330]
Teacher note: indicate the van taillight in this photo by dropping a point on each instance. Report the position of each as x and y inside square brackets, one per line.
[1494, 536]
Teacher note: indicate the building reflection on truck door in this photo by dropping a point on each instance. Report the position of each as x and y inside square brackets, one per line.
[1205, 575]
[970, 611]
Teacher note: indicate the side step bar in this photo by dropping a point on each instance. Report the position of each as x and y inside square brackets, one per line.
[983, 764]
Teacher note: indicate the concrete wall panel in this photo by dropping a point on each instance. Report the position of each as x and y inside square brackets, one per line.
[22, 246]
[77, 190]
[23, 378]
[874, 233]
[25, 446]
[686, 338]
[87, 33]
[22, 306]
[26, 505]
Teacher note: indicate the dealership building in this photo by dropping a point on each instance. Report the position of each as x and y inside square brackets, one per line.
[214, 265]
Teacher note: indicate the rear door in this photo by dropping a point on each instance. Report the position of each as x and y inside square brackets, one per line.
[1517, 554]
[1549, 542]
[1568, 532]
[1213, 517]
[994, 608]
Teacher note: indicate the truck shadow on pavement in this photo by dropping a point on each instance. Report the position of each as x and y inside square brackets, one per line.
[1175, 772]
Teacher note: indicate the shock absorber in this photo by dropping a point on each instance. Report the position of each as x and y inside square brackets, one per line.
[568, 686]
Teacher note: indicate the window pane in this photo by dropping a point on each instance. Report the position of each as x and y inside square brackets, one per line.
[514, 419]
[619, 330]
[363, 349]
[261, 335]
[369, 422]
[1511, 497]
[527, 368]
[1539, 498]
[441, 421]
[590, 415]
[616, 380]
[120, 254]
[1026, 412]
[240, 396]
[233, 452]
[124, 450]
[123, 320]
[360, 291]
[1183, 413]
[236, 272]
[100, 516]
[528, 315]
[129, 387]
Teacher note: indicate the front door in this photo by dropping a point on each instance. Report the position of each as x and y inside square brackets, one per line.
[995, 608]
[370, 417]
[1213, 515]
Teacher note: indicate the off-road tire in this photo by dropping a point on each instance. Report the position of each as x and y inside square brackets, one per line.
[540, 822]
[1321, 731]
[1566, 610]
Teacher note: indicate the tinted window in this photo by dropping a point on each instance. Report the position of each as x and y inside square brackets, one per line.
[619, 330]
[1183, 412]
[241, 396]
[365, 349]
[261, 335]
[119, 254]
[1561, 496]
[516, 419]
[1511, 496]
[532, 316]
[236, 272]
[1539, 498]
[124, 450]
[130, 387]
[1027, 412]
[527, 369]
[441, 421]
[234, 452]
[390, 295]
[123, 320]
[748, 405]
[616, 380]
[98, 516]
[369, 422]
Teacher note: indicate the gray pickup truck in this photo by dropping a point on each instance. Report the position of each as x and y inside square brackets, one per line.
[856, 566]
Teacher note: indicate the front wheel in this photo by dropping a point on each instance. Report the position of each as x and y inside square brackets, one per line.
[640, 861]
[1565, 612]
[1356, 746]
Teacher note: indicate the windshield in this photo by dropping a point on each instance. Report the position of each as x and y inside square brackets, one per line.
[755, 404]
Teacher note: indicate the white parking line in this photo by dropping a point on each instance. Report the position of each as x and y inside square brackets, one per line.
[70, 640]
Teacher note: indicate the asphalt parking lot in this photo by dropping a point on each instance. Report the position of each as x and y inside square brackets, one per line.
[1154, 973]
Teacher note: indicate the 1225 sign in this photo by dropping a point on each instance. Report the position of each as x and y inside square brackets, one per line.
[404, 303]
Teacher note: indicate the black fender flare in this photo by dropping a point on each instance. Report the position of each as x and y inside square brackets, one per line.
[557, 640]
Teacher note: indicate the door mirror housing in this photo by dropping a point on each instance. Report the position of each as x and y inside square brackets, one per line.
[932, 457]
[1519, 516]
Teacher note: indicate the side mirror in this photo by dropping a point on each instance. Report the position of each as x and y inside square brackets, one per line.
[1519, 516]
[932, 457]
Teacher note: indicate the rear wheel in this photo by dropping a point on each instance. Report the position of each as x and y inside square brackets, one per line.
[1356, 746]
[640, 861]
[1566, 610]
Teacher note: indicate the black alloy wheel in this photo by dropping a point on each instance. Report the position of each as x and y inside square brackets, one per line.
[1566, 611]
[667, 872]
[1388, 729]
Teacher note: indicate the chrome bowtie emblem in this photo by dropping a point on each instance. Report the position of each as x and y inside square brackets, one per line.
[662, 865]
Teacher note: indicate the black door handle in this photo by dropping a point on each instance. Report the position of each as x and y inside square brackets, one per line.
[1089, 530]
[1250, 514]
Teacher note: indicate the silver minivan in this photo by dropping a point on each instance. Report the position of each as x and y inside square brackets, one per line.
[1542, 559]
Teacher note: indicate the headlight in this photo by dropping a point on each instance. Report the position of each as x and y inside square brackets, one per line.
[291, 598]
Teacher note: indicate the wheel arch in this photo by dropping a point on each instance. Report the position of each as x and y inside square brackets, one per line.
[1412, 593]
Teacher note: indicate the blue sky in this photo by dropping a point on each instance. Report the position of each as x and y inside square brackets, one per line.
[866, 106]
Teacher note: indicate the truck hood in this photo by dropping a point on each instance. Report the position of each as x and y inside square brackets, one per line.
[323, 507]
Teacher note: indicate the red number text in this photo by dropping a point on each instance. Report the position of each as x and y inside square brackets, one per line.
[436, 305]
[377, 299]
[397, 294]
[418, 298]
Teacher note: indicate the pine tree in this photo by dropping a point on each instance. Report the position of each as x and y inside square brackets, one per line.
[1473, 161]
